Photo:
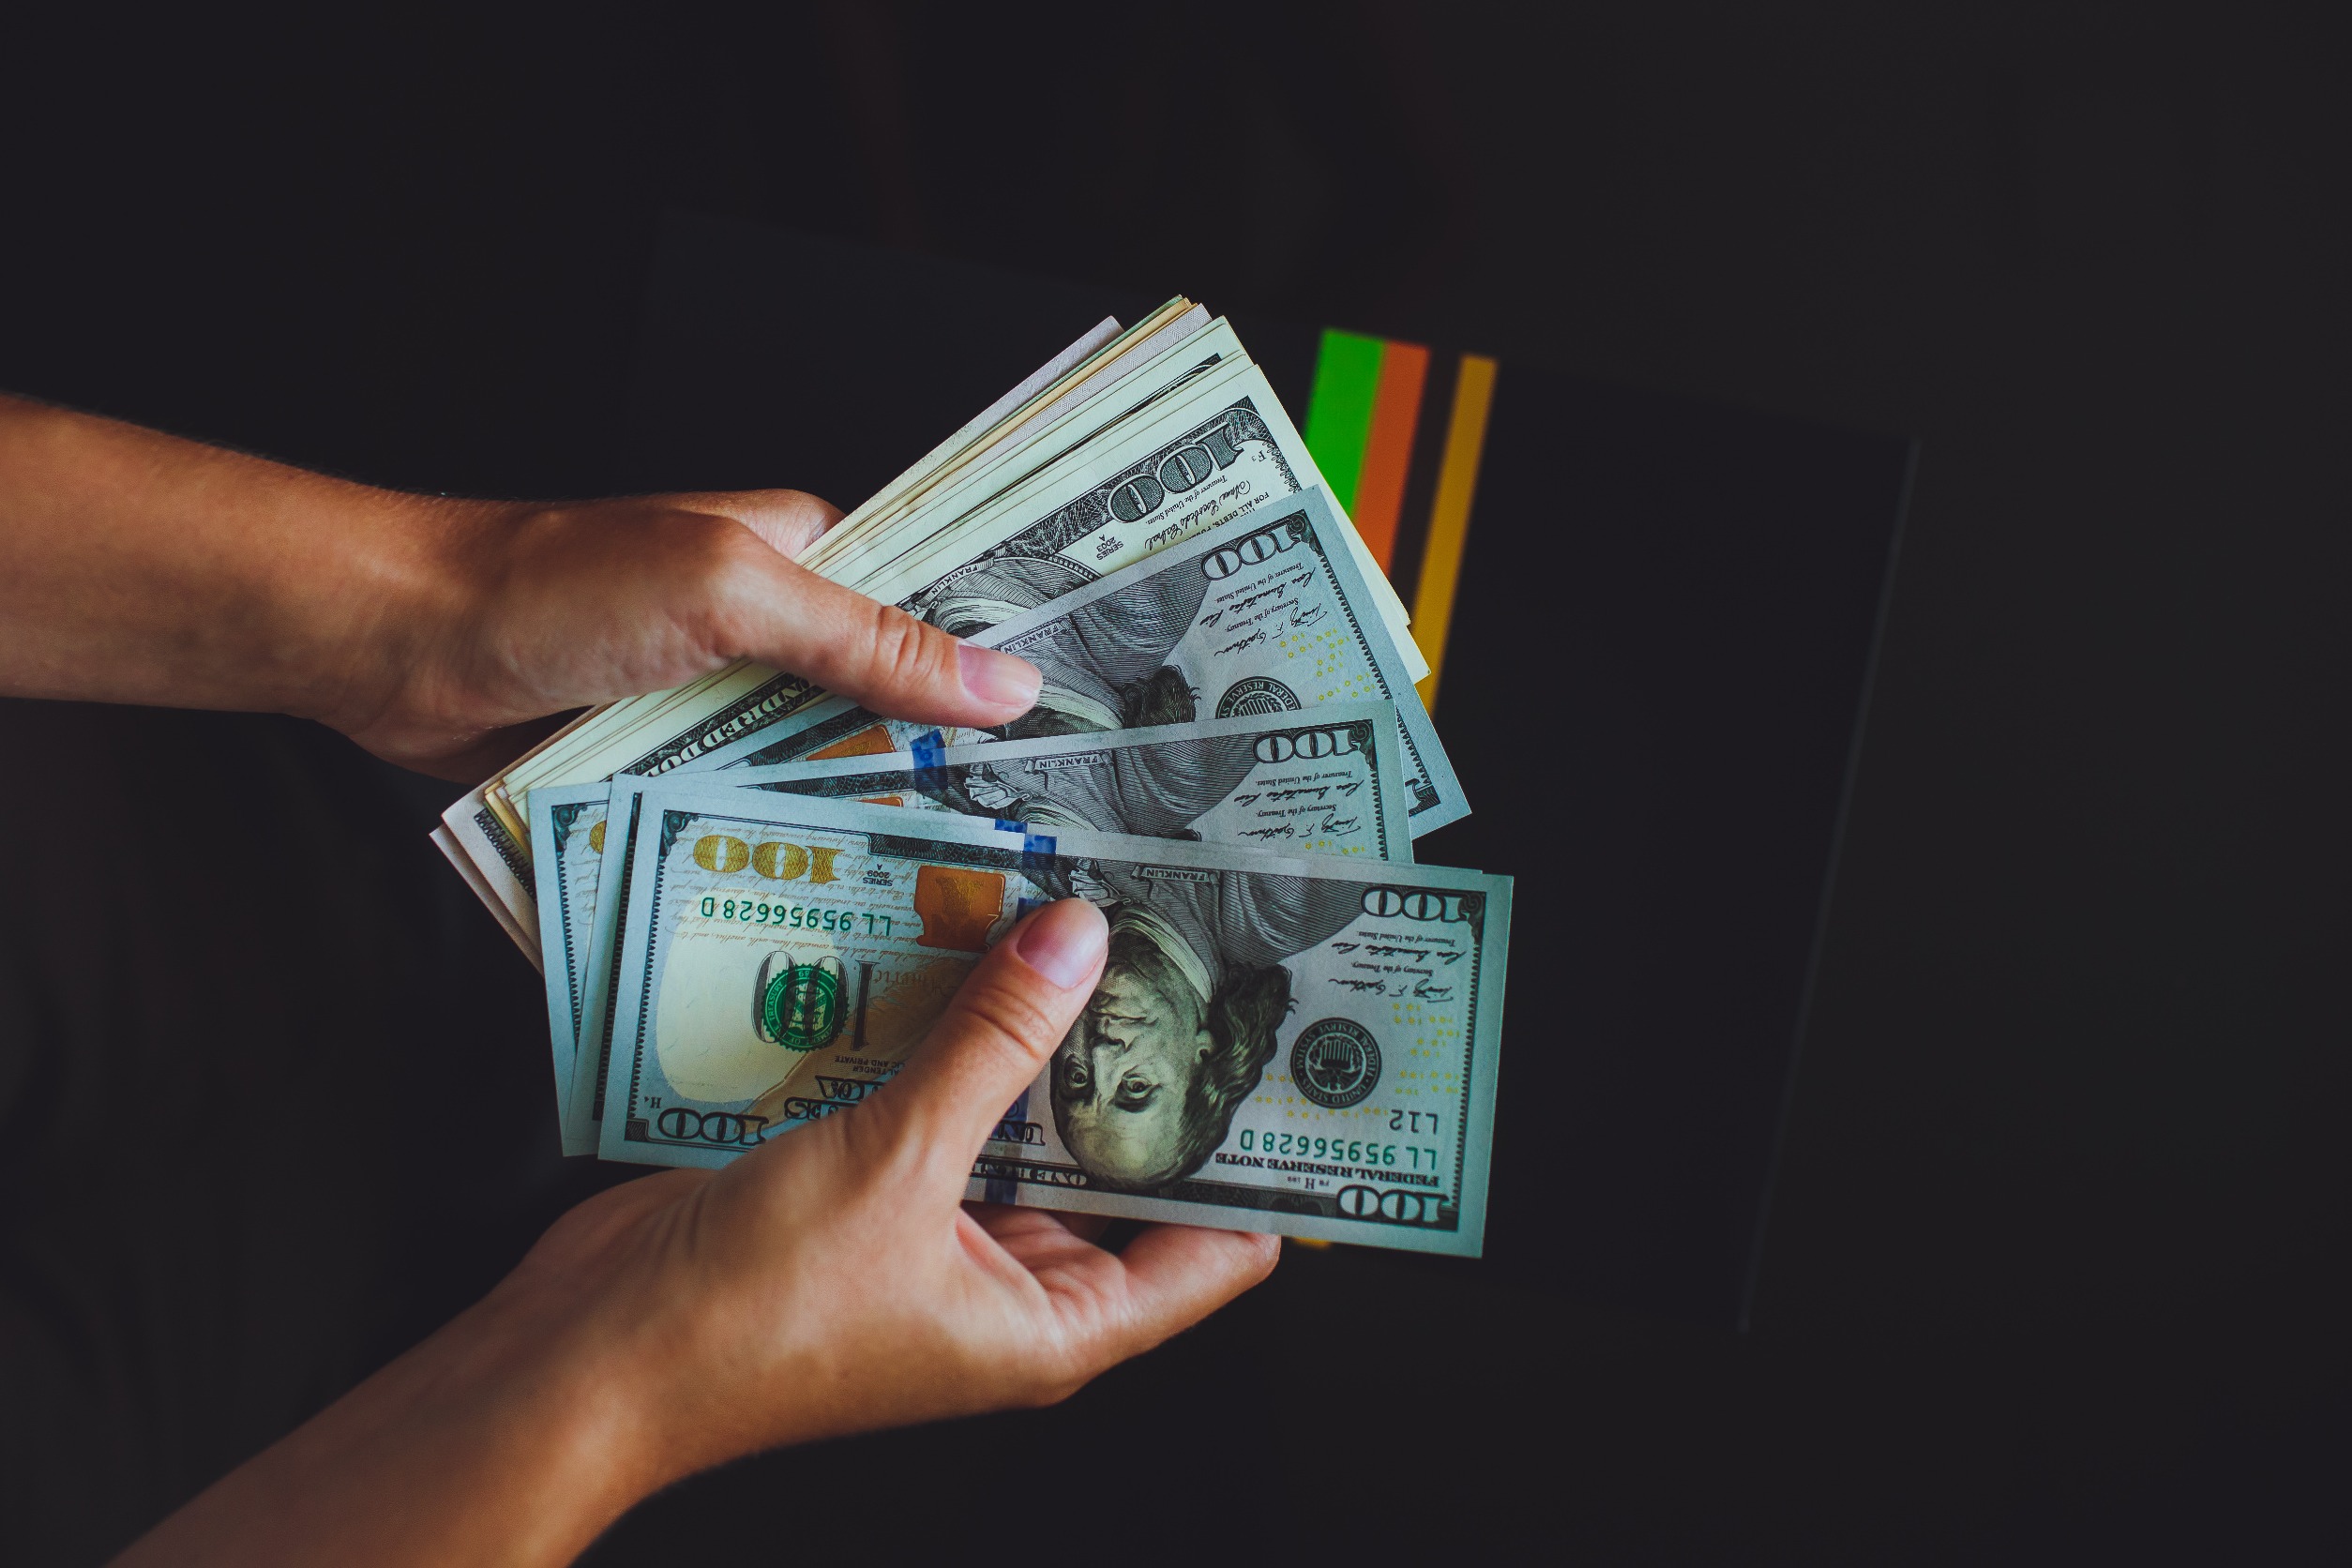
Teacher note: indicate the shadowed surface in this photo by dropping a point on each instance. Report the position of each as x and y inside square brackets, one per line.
[2055, 1266]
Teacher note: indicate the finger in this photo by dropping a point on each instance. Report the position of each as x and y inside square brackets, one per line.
[786, 520]
[1013, 1010]
[1009, 1222]
[874, 654]
[1178, 1274]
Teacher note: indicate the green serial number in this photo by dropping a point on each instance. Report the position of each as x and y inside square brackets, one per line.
[1354, 1150]
[794, 918]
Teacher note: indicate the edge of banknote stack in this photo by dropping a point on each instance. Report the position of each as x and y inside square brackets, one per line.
[748, 898]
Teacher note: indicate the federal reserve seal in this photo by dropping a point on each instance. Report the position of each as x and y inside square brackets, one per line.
[1255, 694]
[1336, 1062]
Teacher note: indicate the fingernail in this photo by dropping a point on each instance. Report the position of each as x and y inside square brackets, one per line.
[1065, 941]
[995, 677]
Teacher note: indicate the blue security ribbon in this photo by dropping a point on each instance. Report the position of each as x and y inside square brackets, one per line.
[1005, 1190]
[930, 760]
[1036, 853]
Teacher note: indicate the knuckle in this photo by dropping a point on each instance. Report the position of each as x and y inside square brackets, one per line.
[1056, 1379]
[812, 512]
[870, 1135]
[1056, 1390]
[787, 522]
[730, 600]
[905, 652]
[701, 536]
[707, 552]
[725, 547]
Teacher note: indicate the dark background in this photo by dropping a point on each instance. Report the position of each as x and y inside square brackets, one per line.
[2055, 1260]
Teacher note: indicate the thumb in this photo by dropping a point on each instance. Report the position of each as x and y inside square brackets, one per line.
[786, 520]
[781, 613]
[1014, 1009]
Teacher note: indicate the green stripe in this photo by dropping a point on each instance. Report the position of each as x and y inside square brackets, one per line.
[1339, 411]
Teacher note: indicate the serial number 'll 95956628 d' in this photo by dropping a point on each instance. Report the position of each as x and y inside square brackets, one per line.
[794, 918]
[1347, 1151]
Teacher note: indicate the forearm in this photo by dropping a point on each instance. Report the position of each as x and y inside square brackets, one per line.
[486, 1444]
[136, 567]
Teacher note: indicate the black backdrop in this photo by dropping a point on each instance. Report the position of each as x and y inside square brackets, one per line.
[2056, 1264]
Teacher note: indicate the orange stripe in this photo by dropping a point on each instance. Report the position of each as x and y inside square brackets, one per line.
[1450, 516]
[1388, 448]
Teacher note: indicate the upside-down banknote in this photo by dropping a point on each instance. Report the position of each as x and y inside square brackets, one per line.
[1301, 1045]
[1265, 614]
[1324, 781]
[1183, 463]
[1320, 780]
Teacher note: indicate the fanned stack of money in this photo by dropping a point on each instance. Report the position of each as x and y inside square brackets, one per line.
[750, 899]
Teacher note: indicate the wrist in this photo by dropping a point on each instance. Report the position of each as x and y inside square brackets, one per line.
[136, 567]
[544, 1420]
[598, 1372]
[493, 1442]
[410, 574]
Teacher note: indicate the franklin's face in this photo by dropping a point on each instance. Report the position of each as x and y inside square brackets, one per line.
[1121, 1076]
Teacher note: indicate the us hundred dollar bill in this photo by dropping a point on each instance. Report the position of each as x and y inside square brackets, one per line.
[567, 841]
[1265, 614]
[1324, 781]
[1301, 1045]
[1196, 459]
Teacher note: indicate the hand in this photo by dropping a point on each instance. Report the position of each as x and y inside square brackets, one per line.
[829, 1282]
[545, 609]
[834, 1280]
[136, 568]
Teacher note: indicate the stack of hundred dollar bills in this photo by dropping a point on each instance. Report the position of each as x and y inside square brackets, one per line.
[750, 899]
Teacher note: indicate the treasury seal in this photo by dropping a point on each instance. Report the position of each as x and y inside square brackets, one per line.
[1255, 694]
[1336, 1062]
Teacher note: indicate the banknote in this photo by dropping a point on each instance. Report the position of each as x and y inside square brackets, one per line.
[1179, 363]
[866, 551]
[1193, 435]
[1321, 780]
[567, 858]
[1305, 1045]
[1171, 343]
[464, 863]
[580, 1102]
[1196, 460]
[486, 836]
[1263, 613]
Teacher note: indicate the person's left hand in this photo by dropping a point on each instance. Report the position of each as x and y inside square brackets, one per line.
[445, 635]
[529, 610]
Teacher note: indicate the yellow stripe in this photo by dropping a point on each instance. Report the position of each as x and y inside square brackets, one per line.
[1450, 515]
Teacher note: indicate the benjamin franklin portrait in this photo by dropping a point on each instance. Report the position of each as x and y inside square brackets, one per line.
[1179, 1032]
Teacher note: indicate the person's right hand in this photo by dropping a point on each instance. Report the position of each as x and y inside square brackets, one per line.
[831, 1281]
[544, 609]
